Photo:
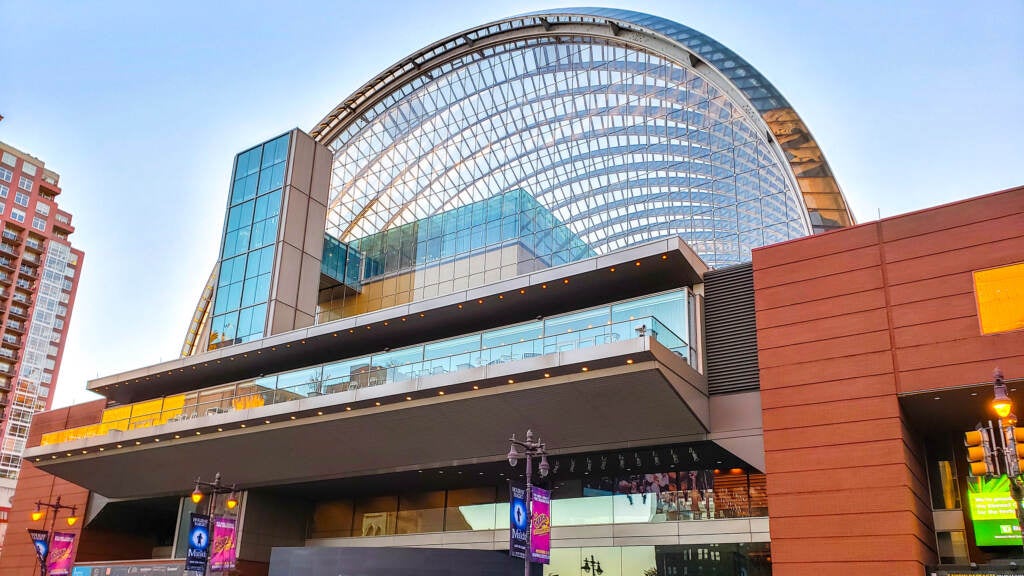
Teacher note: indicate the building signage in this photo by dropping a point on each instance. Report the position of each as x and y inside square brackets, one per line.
[222, 557]
[992, 512]
[519, 521]
[41, 540]
[198, 544]
[59, 563]
[540, 526]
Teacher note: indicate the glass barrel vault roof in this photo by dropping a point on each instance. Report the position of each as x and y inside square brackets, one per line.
[625, 126]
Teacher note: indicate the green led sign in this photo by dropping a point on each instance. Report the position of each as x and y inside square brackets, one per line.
[992, 513]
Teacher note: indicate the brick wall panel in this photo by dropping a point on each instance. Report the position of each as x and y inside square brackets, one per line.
[828, 370]
[817, 289]
[824, 244]
[838, 306]
[825, 348]
[821, 392]
[956, 238]
[810, 268]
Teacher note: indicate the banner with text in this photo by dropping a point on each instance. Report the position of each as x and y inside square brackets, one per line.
[222, 557]
[198, 543]
[992, 512]
[540, 526]
[59, 562]
[519, 521]
[41, 540]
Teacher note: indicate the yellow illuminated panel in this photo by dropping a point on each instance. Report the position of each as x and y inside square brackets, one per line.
[1000, 296]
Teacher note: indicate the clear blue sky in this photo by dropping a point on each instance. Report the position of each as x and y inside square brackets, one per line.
[140, 106]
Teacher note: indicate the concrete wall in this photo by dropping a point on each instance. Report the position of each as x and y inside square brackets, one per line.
[846, 322]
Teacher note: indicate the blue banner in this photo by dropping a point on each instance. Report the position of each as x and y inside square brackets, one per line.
[519, 521]
[41, 540]
[198, 544]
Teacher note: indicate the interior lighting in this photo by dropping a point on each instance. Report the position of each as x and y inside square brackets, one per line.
[566, 281]
[629, 361]
[637, 262]
[376, 403]
[511, 381]
[585, 368]
[612, 269]
[439, 393]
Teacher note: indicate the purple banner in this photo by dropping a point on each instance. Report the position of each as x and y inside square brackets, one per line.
[540, 526]
[59, 563]
[222, 558]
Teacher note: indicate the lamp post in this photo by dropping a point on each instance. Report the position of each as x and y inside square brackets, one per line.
[591, 564]
[214, 488]
[1002, 405]
[38, 514]
[531, 449]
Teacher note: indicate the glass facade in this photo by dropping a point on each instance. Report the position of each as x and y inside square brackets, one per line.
[620, 145]
[36, 369]
[481, 242]
[247, 251]
[669, 496]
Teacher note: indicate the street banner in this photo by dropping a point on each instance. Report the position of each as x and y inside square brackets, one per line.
[222, 557]
[540, 526]
[41, 540]
[198, 543]
[59, 563]
[519, 521]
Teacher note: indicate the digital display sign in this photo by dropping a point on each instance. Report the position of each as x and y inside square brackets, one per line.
[992, 512]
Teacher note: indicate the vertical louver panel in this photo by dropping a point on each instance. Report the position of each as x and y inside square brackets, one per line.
[730, 332]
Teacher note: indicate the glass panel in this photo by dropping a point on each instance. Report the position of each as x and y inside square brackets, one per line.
[470, 509]
[422, 512]
[375, 516]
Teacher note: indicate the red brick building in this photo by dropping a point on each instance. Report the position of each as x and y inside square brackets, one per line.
[39, 273]
[873, 363]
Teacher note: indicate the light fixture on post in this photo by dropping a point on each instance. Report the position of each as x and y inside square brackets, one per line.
[531, 449]
[215, 488]
[592, 564]
[38, 515]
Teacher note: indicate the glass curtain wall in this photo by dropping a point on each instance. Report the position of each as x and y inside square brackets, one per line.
[247, 253]
[620, 145]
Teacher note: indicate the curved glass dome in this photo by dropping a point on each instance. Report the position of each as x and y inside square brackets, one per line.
[622, 135]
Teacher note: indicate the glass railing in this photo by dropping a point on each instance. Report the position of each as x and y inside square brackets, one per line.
[405, 364]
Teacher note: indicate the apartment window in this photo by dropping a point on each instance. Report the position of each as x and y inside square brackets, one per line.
[9, 159]
[4, 191]
[6, 174]
[17, 215]
[2, 208]
[43, 208]
[25, 183]
[58, 324]
[29, 169]
[63, 219]
[39, 223]
[21, 199]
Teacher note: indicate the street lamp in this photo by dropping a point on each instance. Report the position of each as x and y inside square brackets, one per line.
[38, 514]
[591, 564]
[994, 449]
[531, 449]
[215, 489]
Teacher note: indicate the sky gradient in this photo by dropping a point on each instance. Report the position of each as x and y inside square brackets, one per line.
[141, 107]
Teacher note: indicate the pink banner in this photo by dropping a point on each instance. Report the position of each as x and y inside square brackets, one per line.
[59, 560]
[222, 554]
[540, 527]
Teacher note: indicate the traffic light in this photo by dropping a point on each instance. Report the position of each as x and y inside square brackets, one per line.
[979, 453]
[1016, 438]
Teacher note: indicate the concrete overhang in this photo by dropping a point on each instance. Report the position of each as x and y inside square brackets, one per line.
[644, 269]
[618, 395]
